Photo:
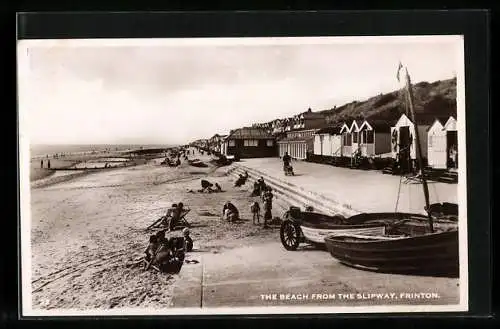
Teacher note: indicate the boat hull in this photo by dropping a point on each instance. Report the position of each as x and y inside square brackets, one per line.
[318, 235]
[427, 254]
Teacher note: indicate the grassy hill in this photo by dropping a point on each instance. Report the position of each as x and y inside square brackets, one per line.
[433, 99]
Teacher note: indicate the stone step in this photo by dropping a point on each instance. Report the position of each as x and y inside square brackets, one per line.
[296, 195]
[285, 199]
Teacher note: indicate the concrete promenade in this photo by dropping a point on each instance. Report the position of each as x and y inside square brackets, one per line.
[254, 276]
[359, 190]
[239, 278]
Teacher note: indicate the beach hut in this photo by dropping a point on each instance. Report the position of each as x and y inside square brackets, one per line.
[345, 133]
[443, 144]
[375, 137]
[355, 130]
[328, 141]
[403, 141]
[250, 142]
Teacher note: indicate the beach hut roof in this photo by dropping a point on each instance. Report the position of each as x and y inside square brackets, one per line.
[250, 133]
[332, 130]
[449, 121]
[346, 127]
[379, 125]
[442, 120]
[356, 124]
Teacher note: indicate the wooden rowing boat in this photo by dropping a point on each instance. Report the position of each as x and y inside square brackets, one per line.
[307, 226]
[411, 243]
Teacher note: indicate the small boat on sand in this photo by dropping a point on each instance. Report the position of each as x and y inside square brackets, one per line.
[308, 226]
[410, 243]
[407, 245]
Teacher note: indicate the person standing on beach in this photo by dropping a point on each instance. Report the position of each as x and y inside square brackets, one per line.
[41, 163]
[48, 163]
[268, 205]
[255, 209]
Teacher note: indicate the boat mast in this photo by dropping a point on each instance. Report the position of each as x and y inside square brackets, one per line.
[419, 150]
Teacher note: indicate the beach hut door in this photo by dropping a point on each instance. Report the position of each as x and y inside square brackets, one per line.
[437, 156]
[404, 148]
[452, 149]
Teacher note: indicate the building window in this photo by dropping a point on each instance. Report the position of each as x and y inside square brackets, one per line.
[355, 137]
[269, 142]
[369, 136]
[232, 143]
[250, 142]
[430, 140]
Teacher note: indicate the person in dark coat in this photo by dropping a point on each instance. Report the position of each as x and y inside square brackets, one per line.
[41, 163]
[286, 160]
[48, 164]
[267, 197]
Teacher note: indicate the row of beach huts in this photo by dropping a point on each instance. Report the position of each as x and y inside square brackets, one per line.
[310, 136]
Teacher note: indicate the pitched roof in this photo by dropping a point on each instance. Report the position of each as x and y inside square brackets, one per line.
[250, 133]
[381, 125]
[330, 130]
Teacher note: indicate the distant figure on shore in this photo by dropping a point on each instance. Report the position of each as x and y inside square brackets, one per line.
[41, 163]
[230, 212]
[218, 188]
[48, 164]
[268, 205]
[255, 209]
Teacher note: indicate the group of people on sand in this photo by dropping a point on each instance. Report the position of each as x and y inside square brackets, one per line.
[261, 189]
[266, 194]
[167, 254]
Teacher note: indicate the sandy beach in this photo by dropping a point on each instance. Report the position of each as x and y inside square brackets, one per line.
[88, 231]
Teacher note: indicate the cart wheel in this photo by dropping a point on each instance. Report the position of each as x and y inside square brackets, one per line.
[290, 235]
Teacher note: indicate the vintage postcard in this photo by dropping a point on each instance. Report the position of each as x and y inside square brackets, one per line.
[242, 175]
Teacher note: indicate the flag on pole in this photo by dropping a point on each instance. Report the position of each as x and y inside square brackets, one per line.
[400, 66]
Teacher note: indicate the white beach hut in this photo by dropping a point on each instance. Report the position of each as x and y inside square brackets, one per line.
[403, 140]
[345, 133]
[375, 137]
[443, 144]
[328, 141]
[355, 135]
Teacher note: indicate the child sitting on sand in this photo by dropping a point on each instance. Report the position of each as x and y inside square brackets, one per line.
[152, 247]
[255, 209]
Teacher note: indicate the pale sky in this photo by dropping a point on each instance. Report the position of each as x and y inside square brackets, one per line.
[175, 92]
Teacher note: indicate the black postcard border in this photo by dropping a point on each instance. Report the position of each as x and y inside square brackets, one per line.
[473, 24]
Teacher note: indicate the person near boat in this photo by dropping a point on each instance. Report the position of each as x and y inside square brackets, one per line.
[230, 212]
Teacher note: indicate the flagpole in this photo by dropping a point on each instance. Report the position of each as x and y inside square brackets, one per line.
[419, 150]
